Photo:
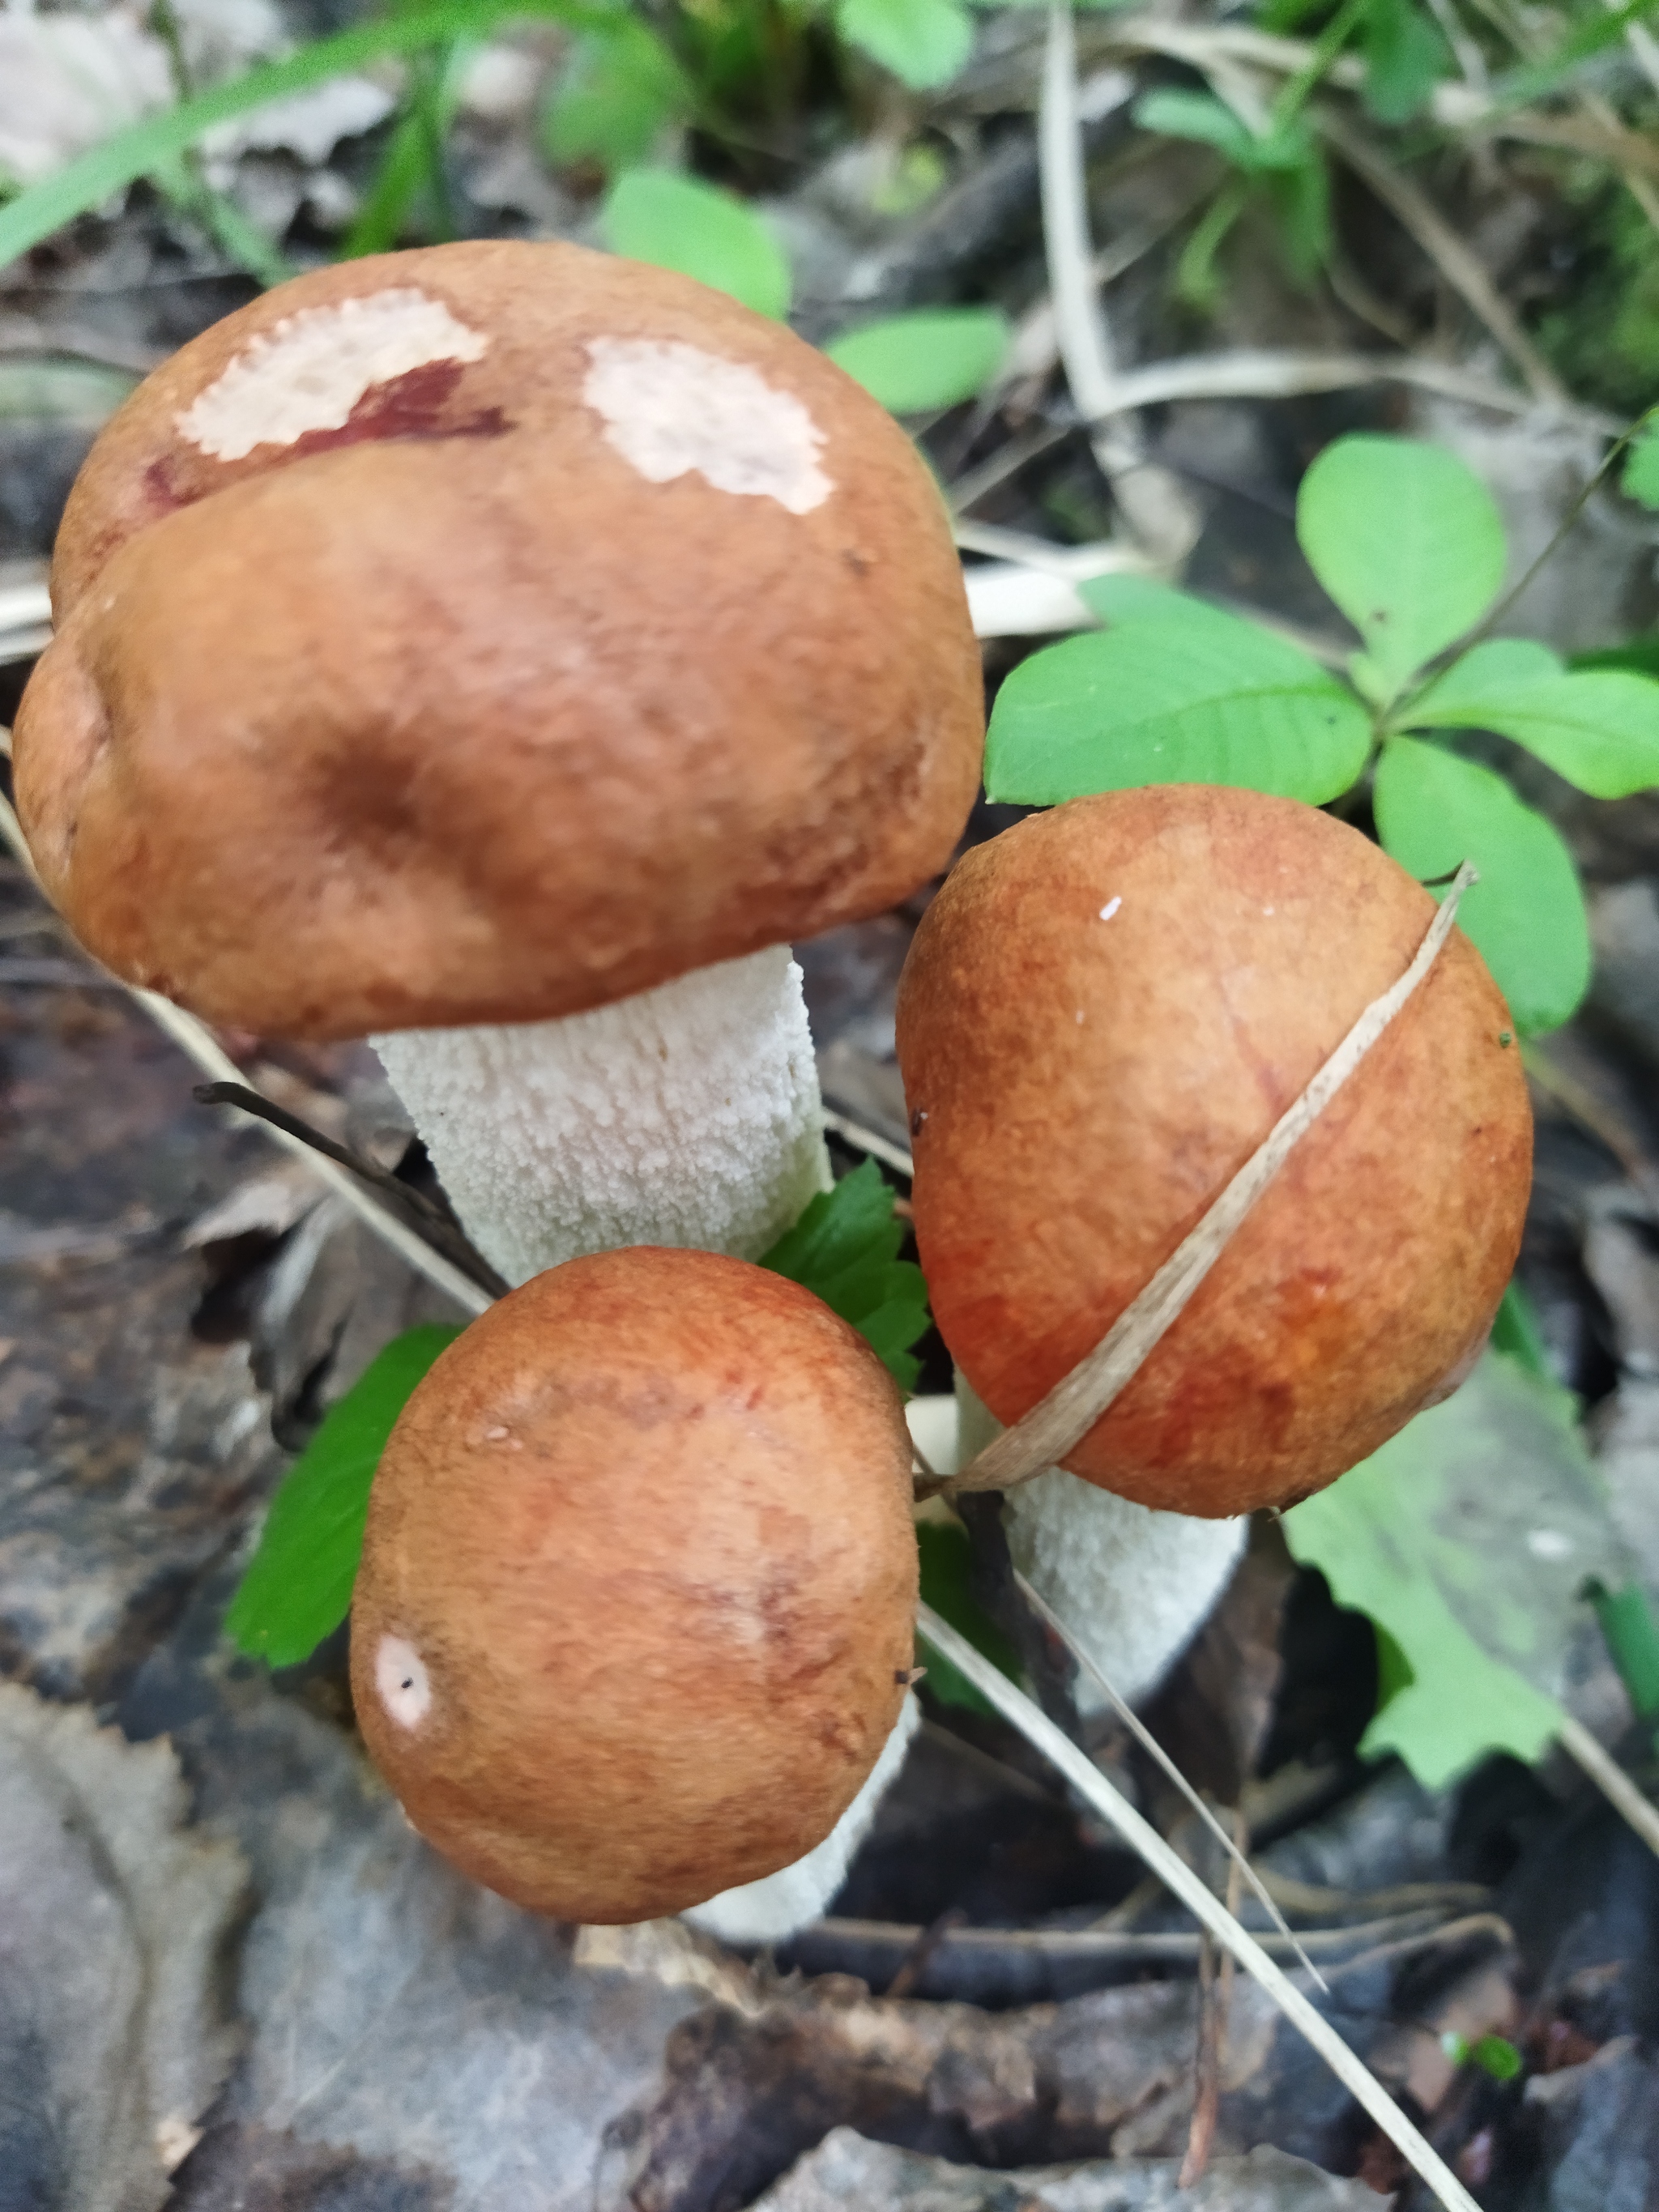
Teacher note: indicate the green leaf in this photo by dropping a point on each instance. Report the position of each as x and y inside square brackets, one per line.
[1301, 194]
[936, 357]
[1178, 693]
[1598, 728]
[1497, 2056]
[297, 1589]
[1632, 1640]
[1640, 480]
[1526, 914]
[1523, 85]
[1516, 1333]
[947, 1585]
[675, 223]
[1174, 113]
[845, 1249]
[923, 42]
[127, 154]
[1406, 541]
[617, 95]
[1406, 56]
[1640, 656]
[1466, 1539]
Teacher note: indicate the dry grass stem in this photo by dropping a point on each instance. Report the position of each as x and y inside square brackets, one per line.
[1611, 1779]
[197, 1044]
[1098, 1793]
[1239, 1867]
[1041, 1437]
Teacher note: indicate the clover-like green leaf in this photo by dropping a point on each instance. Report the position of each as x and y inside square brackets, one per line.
[1178, 692]
[677, 222]
[1407, 540]
[935, 357]
[618, 91]
[297, 1589]
[1597, 727]
[1527, 916]
[923, 42]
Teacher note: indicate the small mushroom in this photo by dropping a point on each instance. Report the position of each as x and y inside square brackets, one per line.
[637, 1601]
[505, 650]
[1104, 1012]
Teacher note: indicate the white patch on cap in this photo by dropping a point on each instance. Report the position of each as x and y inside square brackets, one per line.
[309, 371]
[669, 408]
[401, 1678]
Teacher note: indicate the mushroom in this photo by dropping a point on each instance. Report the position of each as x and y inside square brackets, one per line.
[504, 650]
[1104, 1012]
[636, 1608]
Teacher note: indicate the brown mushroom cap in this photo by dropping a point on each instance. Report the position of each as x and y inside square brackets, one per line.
[485, 633]
[638, 1585]
[1103, 1013]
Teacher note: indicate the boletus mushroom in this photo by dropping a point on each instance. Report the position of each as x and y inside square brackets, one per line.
[637, 1602]
[504, 650]
[1103, 1013]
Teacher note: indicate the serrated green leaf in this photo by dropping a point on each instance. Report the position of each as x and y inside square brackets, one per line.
[1406, 56]
[675, 223]
[1525, 915]
[844, 1249]
[947, 1585]
[297, 1589]
[1407, 540]
[1467, 1539]
[1178, 693]
[923, 42]
[1640, 480]
[1598, 728]
[936, 357]
[617, 94]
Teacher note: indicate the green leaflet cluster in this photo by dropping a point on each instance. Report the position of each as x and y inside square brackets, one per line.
[1410, 546]
[297, 1589]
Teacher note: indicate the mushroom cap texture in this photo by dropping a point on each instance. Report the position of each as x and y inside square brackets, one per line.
[1082, 1083]
[470, 694]
[644, 1532]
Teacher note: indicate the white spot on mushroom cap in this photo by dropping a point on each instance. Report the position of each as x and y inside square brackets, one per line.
[1110, 908]
[401, 1678]
[669, 408]
[307, 372]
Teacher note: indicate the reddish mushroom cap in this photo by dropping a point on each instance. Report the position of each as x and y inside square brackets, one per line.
[483, 634]
[1103, 1013]
[638, 1590]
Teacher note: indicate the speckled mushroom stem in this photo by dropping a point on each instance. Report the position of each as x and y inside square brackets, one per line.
[1132, 1585]
[685, 1115]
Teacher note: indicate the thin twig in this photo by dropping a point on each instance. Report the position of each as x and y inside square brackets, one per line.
[1206, 2071]
[1610, 1778]
[1150, 1744]
[1456, 261]
[197, 1042]
[1041, 1437]
[1098, 1793]
[1266, 373]
[1154, 505]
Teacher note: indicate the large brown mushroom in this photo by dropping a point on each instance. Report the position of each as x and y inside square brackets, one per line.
[637, 1599]
[505, 649]
[1103, 1013]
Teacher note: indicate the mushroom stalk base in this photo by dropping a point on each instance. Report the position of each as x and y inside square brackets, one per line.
[1132, 1585]
[687, 1116]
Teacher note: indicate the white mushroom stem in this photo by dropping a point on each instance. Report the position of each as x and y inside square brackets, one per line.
[686, 1115]
[779, 1904]
[1132, 1586]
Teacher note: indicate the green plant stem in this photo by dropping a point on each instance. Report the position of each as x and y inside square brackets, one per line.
[147, 147]
[1293, 94]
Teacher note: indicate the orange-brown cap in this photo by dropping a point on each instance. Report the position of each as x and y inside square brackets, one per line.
[485, 633]
[638, 1592]
[1103, 1013]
